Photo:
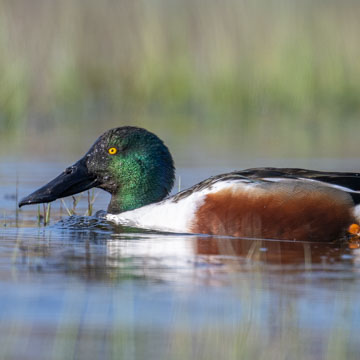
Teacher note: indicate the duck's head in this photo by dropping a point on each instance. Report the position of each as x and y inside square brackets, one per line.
[131, 163]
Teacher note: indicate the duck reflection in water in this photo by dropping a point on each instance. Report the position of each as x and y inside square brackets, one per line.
[115, 253]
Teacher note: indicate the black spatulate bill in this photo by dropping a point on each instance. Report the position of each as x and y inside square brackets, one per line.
[73, 180]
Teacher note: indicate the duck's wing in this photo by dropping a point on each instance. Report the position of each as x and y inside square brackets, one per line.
[345, 181]
[348, 180]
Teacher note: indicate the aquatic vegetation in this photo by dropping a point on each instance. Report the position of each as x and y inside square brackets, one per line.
[47, 208]
[91, 200]
[285, 69]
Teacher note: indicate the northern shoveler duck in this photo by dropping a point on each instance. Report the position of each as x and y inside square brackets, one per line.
[137, 169]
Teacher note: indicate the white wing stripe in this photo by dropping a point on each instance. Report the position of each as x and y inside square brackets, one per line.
[339, 187]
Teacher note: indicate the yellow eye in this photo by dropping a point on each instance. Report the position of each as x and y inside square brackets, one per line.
[112, 151]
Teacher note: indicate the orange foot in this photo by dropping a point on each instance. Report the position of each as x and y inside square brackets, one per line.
[354, 231]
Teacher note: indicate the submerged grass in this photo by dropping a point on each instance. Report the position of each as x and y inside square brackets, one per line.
[47, 209]
[43, 218]
[69, 212]
[90, 201]
[75, 201]
[50, 213]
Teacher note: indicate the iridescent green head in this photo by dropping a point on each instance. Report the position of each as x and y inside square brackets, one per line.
[131, 163]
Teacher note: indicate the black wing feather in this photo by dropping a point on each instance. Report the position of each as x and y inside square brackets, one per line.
[348, 180]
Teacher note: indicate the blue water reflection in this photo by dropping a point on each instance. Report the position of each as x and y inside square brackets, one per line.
[86, 289]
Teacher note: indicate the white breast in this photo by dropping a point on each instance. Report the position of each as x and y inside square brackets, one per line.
[168, 215]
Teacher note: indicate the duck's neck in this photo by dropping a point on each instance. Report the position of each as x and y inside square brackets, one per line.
[130, 199]
[140, 185]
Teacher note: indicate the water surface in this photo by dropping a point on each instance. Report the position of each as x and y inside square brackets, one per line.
[82, 288]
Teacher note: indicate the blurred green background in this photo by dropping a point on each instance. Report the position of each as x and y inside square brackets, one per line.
[217, 80]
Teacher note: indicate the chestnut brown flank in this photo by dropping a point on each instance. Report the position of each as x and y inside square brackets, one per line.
[305, 216]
